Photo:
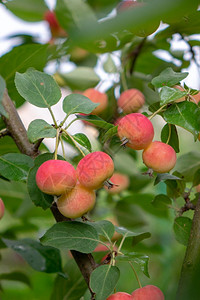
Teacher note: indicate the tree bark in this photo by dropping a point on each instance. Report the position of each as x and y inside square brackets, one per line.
[189, 284]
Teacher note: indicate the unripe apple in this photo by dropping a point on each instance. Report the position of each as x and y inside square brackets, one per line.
[56, 29]
[94, 169]
[77, 202]
[131, 101]
[148, 292]
[146, 30]
[97, 97]
[55, 177]
[159, 156]
[120, 296]
[137, 129]
[120, 183]
[2, 208]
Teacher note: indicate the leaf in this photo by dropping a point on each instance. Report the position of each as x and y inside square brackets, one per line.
[32, 10]
[138, 258]
[41, 258]
[136, 236]
[72, 13]
[169, 135]
[39, 198]
[81, 78]
[38, 88]
[187, 164]
[96, 121]
[185, 114]
[39, 129]
[162, 202]
[165, 176]
[104, 228]
[182, 227]
[16, 276]
[19, 59]
[72, 236]
[109, 134]
[15, 166]
[83, 140]
[168, 95]
[2, 89]
[103, 280]
[168, 77]
[71, 288]
[196, 179]
[76, 103]
[109, 65]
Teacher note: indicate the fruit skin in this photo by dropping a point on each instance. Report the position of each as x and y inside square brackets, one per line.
[131, 101]
[97, 97]
[160, 157]
[94, 169]
[2, 209]
[121, 181]
[193, 98]
[56, 29]
[55, 177]
[138, 129]
[148, 292]
[77, 202]
[120, 296]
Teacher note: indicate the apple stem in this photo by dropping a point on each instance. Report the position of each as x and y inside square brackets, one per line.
[170, 131]
[156, 112]
[137, 278]
[57, 143]
[73, 140]
[53, 117]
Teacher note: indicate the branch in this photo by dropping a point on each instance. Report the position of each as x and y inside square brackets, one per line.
[18, 132]
[135, 53]
[189, 281]
[16, 128]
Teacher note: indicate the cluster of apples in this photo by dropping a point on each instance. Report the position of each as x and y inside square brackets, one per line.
[75, 188]
[148, 292]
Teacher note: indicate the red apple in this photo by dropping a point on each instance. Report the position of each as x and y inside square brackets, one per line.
[131, 101]
[2, 208]
[148, 292]
[120, 296]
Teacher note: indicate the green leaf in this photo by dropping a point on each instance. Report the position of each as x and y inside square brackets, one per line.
[72, 13]
[15, 166]
[72, 236]
[16, 276]
[83, 140]
[76, 103]
[109, 65]
[168, 95]
[19, 59]
[162, 202]
[97, 121]
[165, 176]
[104, 228]
[103, 281]
[39, 198]
[187, 164]
[136, 236]
[81, 78]
[182, 228]
[71, 288]
[38, 88]
[109, 134]
[196, 179]
[168, 77]
[39, 129]
[41, 258]
[31, 10]
[185, 114]
[2, 89]
[169, 135]
[138, 258]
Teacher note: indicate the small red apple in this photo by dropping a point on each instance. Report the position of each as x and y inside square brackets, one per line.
[2, 208]
[148, 292]
[120, 296]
